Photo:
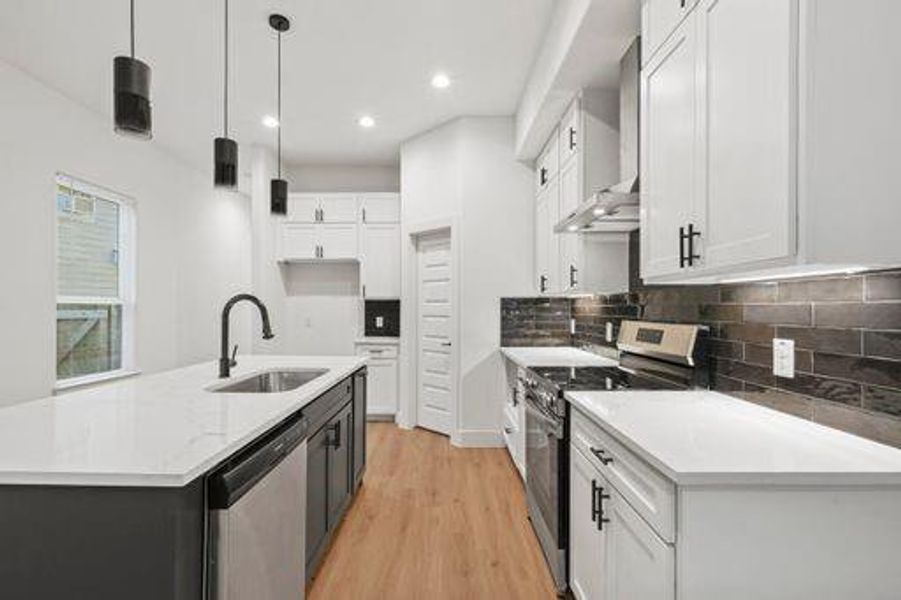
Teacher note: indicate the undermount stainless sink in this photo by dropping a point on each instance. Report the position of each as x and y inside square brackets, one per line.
[271, 382]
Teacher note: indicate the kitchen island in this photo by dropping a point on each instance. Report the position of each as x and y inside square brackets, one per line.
[103, 490]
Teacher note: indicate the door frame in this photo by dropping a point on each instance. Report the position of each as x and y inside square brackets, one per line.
[409, 342]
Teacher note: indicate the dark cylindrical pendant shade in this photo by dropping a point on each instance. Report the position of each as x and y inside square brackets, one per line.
[225, 158]
[278, 198]
[131, 86]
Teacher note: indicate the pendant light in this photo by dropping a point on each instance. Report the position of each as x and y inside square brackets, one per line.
[131, 90]
[278, 188]
[225, 150]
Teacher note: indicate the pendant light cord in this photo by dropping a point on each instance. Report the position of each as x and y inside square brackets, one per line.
[225, 85]
[279, 105]
[132, 19]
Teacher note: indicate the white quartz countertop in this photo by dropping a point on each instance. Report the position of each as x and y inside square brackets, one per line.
[700, 438]
[540, 356]
[154, 430]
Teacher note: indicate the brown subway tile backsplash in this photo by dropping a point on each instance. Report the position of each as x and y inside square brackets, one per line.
[883, 286]
[847, 334]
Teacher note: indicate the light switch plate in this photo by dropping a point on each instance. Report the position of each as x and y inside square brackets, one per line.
[784, 358]
[379, 322]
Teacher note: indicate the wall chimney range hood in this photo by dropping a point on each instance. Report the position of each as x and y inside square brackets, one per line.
[611, 210]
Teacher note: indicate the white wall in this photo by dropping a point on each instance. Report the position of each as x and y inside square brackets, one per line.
[343, 178]
[193, 244]
[466, 172]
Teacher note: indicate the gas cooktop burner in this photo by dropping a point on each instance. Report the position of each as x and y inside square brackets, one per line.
[599, 378]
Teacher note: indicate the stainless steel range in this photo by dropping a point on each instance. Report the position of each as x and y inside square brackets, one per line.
[654, 356]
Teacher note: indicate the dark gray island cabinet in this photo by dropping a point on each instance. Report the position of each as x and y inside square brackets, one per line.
[112, 542]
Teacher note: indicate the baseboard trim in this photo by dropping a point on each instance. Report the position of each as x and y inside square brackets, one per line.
[380, 418]
[478, 438]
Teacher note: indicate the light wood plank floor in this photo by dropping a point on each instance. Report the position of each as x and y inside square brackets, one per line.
[433, 521]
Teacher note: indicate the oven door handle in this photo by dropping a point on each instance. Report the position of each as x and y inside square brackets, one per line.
[542, 416]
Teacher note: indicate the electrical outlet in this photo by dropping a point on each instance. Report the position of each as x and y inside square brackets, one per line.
[784, 358]
[379, 322]
[608, 332]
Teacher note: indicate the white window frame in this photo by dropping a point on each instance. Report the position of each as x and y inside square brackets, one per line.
[127, 266]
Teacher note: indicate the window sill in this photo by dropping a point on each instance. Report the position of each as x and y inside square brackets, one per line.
[74, 383]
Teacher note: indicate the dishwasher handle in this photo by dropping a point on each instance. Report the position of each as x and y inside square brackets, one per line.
[228, 483]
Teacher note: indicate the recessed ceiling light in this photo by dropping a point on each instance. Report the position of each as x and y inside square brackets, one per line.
[440, 81]
[366, 122]
[270, 121]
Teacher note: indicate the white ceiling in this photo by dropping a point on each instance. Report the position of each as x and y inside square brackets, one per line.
[342, 59]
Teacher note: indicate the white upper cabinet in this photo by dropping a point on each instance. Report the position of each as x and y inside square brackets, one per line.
[659, 18]
[547, 245]
[668, 152]
[581, 157]
[748, 84]
[303, 208]
[322, 208]
[338, 242]
[299, 241]
[380, 258]
[766, 128]
[569, 133]
[548, 163]
[380, 208]
[338, 209]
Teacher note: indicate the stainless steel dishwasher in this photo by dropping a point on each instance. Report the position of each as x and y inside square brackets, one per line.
[257, 519]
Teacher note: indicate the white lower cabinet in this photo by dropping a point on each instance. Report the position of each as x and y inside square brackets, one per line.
[382, 381]
[614, 554]
[586, 539]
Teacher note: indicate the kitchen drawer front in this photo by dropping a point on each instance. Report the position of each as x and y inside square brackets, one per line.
[650, 493]
[386, 351]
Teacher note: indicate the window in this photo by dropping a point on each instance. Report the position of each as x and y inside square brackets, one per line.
[94, 277]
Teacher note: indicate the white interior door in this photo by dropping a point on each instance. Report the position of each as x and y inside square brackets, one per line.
[435, 333]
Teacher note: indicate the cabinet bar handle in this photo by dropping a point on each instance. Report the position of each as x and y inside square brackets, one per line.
[572, 276]
[682, 257]
[543, 175]
[601, 518]
[692, 234]
[602, 456]
[595, 509]
[364, 215]
[542, 283]
[572, 138]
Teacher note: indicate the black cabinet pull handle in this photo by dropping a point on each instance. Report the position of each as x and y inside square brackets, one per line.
[542, 283]
[543, 175]
[572, 138]
[682, 258]
[572, 276]
[336, 442]
[595, 510]
[692, 234]
[682, 3]
[601, 518]
[602, 456]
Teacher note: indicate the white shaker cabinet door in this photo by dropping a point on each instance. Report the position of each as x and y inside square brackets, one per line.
[639, 565]
[303, 208]
[747, 56]
[339, 208]
[658, 19]
[380, 208]
[586, 538]
[381, 261]
[668, 152]
[299, 241]
[382, 387]
[338, 242]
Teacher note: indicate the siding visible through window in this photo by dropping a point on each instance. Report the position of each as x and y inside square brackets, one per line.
[92, 300]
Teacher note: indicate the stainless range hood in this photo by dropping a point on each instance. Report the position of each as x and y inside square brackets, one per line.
[612, 210]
